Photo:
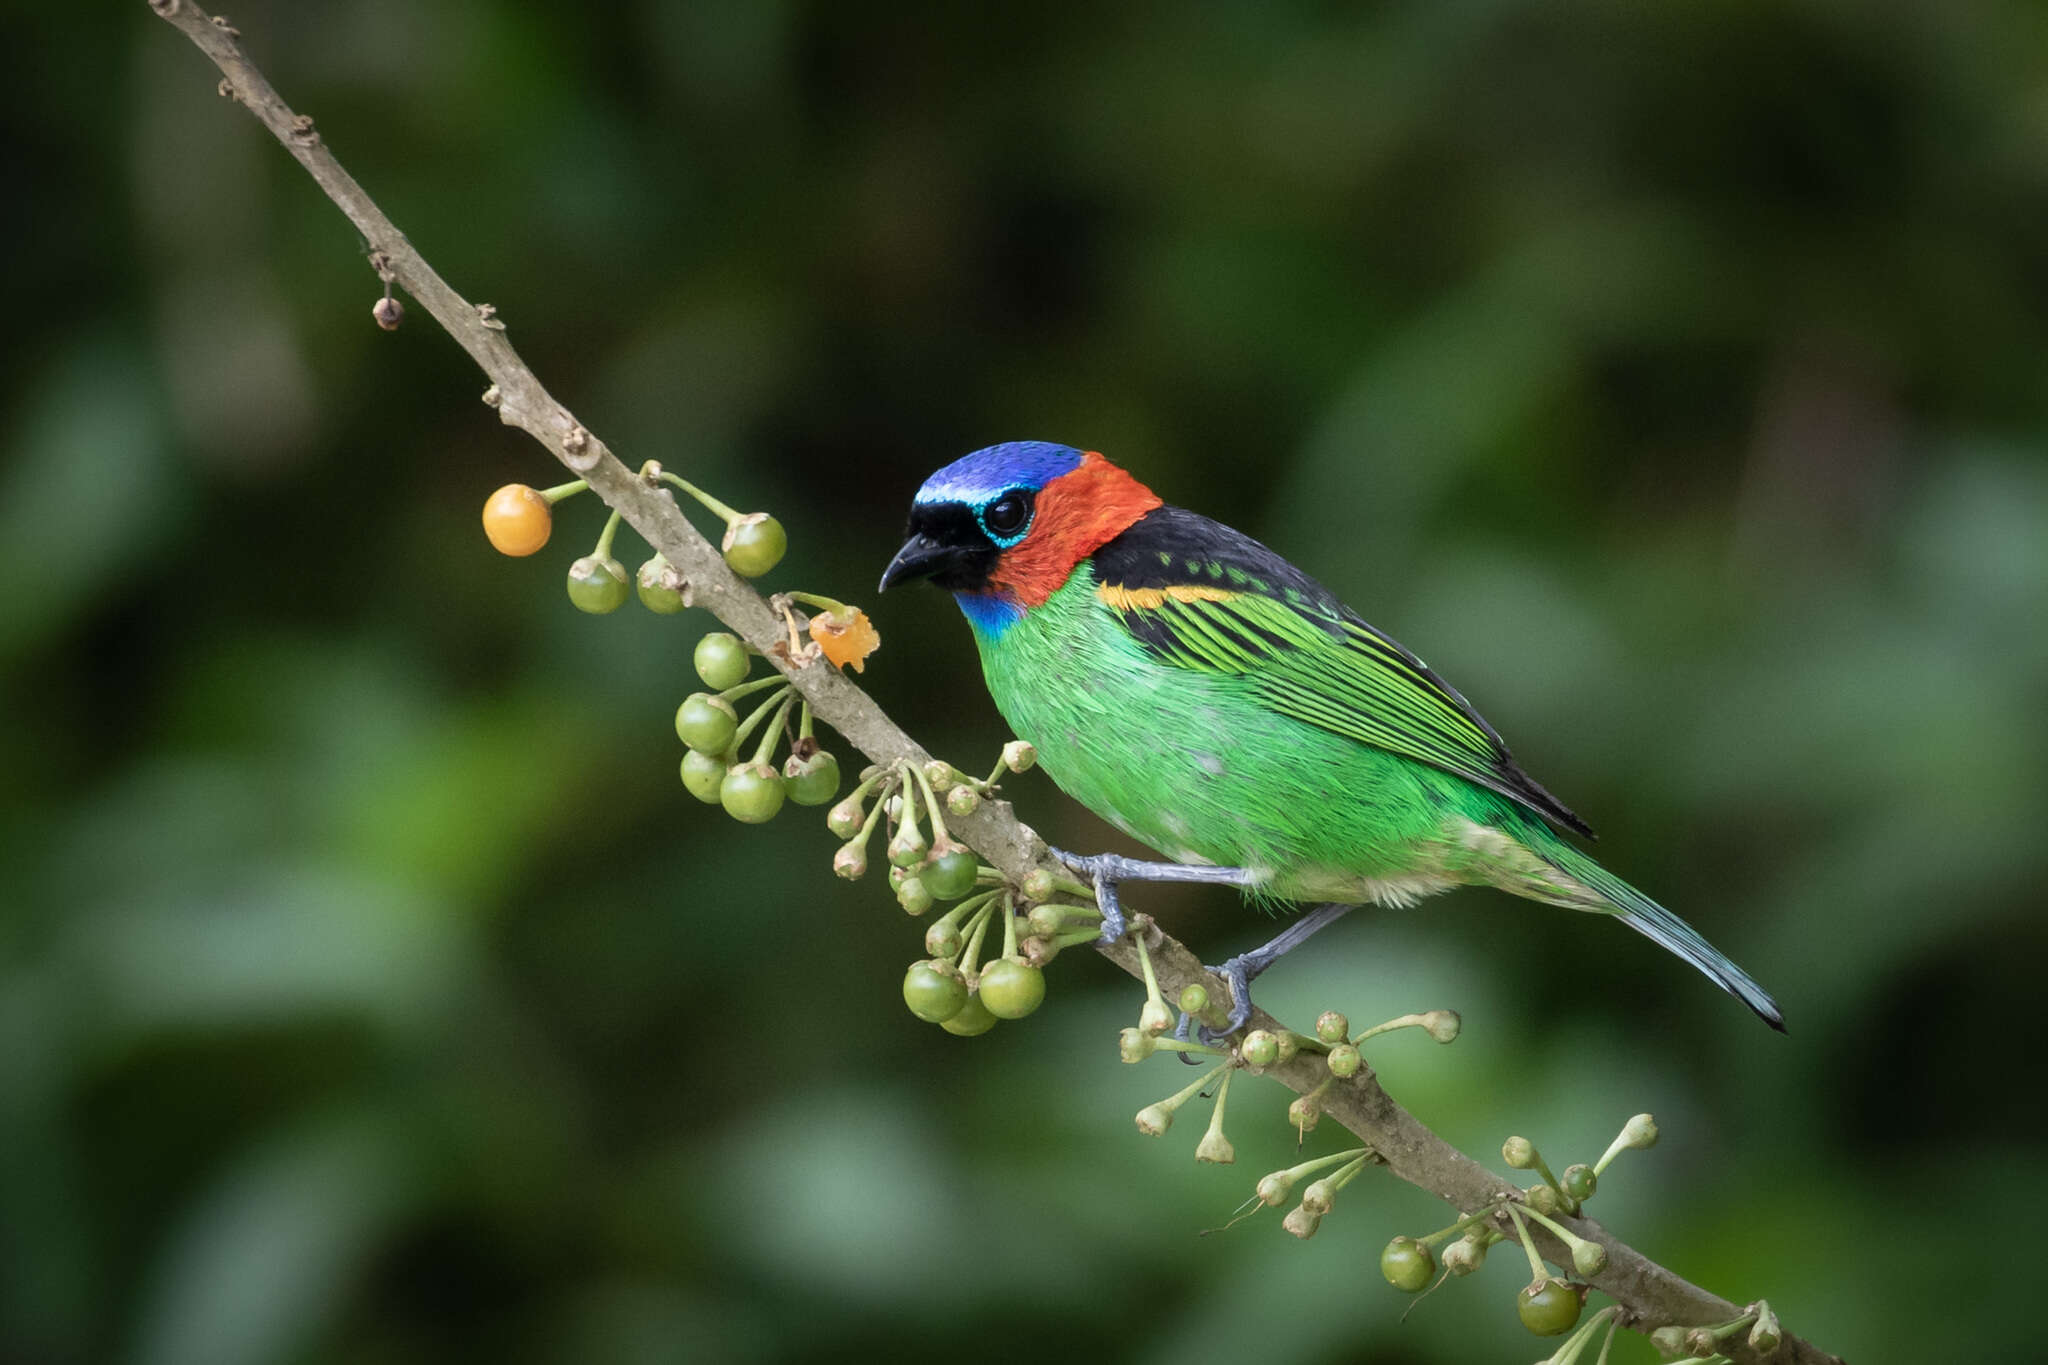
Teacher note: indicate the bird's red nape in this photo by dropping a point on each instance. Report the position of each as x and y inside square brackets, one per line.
[1077, 514]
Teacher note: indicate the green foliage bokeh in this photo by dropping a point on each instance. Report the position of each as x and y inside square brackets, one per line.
[1669, 376]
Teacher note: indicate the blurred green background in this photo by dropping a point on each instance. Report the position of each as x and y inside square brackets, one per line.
[1670, 376]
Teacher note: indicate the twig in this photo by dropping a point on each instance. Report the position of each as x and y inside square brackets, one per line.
[1649, 1295]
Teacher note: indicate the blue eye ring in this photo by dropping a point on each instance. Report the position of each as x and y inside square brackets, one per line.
[1006, 518]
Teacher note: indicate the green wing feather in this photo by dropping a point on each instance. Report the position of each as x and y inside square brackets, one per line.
[1243, 610]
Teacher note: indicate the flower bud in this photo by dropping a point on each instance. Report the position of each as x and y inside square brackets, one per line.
[846, 818]
[1154, 1018]
[1701, 1341]
[963, 801]
[1519, 1153]
[388, 312]
[1344, 1060]
[1154, 1119]
[1301, 1222]
[1766, 1336]
[1332, 1027]
[1464, 1256]
[1544, 1200]
[1215, 1148]
[1135, 1045]
[1669, 1341]
[1289, 1045]
[914, 896]
[1320, 1196]
[1274, 1188]
[1037, 885]
[1019, 755]
[1305, 1112]
[940, 775]
[942, 939]
[1589, 1258]
[1640, 1131]
[851, 862]
[1442, 1025]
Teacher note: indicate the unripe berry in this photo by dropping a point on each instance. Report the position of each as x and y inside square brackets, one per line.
[851, 861]
[1320, 1196]
[1332, 1027]
[1154, 1119]
[963, 801]
[951, 876]
[934, 991]
[662, 589]
[812, 781]
[721, 660]
[1019, 755]
[1135, 1045]
[942, 939]
[706, 723]
[907, 846]
[1011, 988]
[1442, 1025]
[972, 1020]
[1259, 1048]
[1669, 1341]
[1407, 1265]
[1640, 1131]
[751, 793]
[597, 584]
[940, 776]
[1344, 1060]
[1544, 1200]
[703, 776]
[517, 519]
[1579, 1181]
[754, 544]
[1304, 1113]
[1037, 885]
[1194, 998]
[1519, 1153]
[1548, 1307]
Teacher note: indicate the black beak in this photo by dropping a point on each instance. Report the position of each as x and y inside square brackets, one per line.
[920, 557]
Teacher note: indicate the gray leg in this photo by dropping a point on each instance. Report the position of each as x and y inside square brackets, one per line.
[1107, 869]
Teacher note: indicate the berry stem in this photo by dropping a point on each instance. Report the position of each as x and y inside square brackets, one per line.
[563, 490]
[1536, 1268]
[970, 956]
[1169, 1043]
[717, 508]
[867, 826]
[940, 839]
[1454, 1229]
[760, 713]
[1608, 1345]
[803, 729]
[811, 599]
[604, 537]
[1405, 1021]
[1564, 1234]
[1009, 923]
[747, 689]
[772, 735]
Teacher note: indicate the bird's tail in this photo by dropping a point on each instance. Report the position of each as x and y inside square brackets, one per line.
[1660, 926]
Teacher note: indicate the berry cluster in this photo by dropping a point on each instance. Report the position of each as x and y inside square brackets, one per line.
[719, 769]
[956, 987]
[518, 520]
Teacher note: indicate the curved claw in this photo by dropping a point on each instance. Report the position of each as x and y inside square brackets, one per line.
[1235, 976]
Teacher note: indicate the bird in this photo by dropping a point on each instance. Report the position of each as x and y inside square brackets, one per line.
[1217, 704]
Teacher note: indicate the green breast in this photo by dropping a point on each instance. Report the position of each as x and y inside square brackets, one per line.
[1192, 765]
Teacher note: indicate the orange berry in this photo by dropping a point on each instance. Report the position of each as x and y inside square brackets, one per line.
[517, 519]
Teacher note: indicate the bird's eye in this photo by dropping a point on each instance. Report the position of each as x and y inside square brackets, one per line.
[1006, 515]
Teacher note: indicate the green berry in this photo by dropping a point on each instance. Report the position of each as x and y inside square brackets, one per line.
[706, 723]
[1548, 1308]
[1344, 1060]
[1332, 1027]
[813, 781]
[1037, 885]
[662, 589]
[913, 895]
[1544, 1200]
[597, 584]
[934, 991]
[1589, 1258]
[751, 793]
[972, 1019]
[722, 661]
[1579, 1181]
[1011, 988]
[951, 875]
[963, 801]
[846, 818]
[1259, 1048]
[703, 775]
[1194, 998]
[754, 544]
[851, 861]
[1407, 1265]
[1519, 1153]
[908, 846]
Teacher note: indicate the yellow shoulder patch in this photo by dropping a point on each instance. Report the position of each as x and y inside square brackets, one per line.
[1151, 599]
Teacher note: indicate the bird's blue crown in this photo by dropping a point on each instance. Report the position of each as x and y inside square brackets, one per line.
[975, 479]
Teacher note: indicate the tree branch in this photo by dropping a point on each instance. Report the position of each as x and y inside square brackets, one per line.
[1649, 1295]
